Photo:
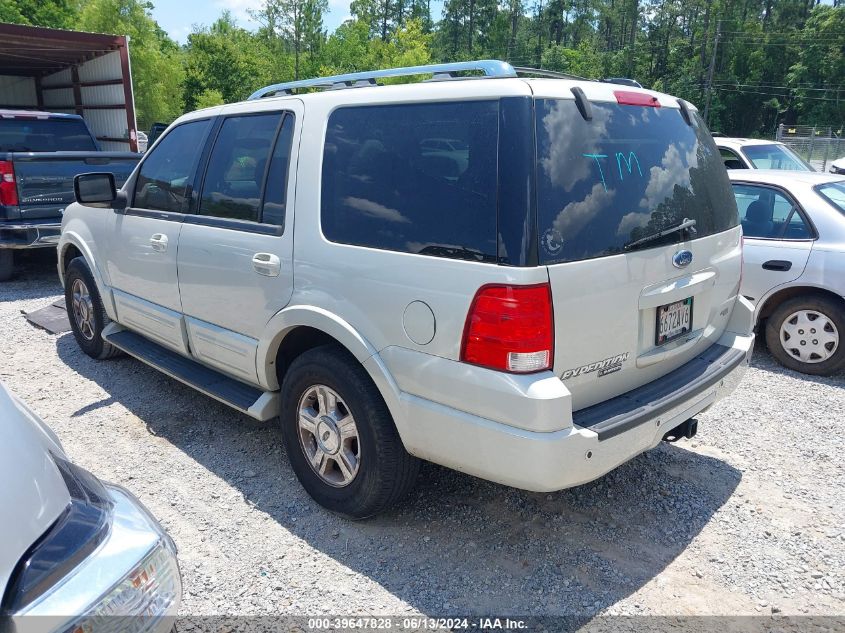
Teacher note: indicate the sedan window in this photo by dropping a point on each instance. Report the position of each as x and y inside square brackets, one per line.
[834, 193]
[775, 157]
[769, 214]
[731, 160]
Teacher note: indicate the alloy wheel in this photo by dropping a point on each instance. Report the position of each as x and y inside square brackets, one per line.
[328, 436]
[83, 309]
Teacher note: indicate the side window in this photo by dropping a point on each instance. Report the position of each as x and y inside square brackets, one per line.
[167, 171]
[234, 178]
[769, 214]
[731, 160]
[275, 191]
[417, 178]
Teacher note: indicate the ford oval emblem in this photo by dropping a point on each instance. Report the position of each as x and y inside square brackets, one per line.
[682, 259]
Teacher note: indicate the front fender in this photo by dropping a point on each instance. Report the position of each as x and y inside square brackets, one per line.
[72, 237]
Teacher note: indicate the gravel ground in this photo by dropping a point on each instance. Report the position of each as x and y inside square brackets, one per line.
[747, 518]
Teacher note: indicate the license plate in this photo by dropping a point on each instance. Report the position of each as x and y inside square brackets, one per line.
[673, 320]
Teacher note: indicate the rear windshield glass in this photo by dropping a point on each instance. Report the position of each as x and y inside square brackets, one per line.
[628, 173]
[774, 157]
[45, 135]
[417, 178]
[834, 193]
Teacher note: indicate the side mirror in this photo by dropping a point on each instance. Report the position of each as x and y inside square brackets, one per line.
[95, 190]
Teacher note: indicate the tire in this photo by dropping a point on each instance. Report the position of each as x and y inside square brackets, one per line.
[87, 321]
[383, 471]
[824, 346]
[7, 264]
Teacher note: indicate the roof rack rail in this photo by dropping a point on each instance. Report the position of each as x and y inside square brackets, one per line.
[489, 68]
[547, 74]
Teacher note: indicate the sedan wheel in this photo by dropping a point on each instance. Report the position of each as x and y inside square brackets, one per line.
[805, 333]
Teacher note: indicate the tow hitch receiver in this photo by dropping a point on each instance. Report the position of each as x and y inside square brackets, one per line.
[687, 429]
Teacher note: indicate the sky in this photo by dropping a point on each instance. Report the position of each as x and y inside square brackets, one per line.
[178, 17]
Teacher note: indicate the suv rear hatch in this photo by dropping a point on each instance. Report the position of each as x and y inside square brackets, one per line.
[630, 304]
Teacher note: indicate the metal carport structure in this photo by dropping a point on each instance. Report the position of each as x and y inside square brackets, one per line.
[70, 71]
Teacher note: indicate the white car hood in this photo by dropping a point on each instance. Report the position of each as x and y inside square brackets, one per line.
[32, 492]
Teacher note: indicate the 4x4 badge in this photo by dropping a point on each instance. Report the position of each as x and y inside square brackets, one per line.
[682, 259]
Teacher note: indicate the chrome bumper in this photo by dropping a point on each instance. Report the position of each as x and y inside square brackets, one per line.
[30, 235]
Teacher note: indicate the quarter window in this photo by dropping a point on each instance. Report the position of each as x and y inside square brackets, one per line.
[731, 160]
[417, 178]
[167, 171]
[237, 166]
[768, 214]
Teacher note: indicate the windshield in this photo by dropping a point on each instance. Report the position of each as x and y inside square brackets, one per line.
[628, 173]
[775, 157]
[25, 134]
[834, 193]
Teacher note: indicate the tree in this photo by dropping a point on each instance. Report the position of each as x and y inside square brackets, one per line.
[299, 23]
[57, 14]
[229, 60]
[351, 49]
[157, 73]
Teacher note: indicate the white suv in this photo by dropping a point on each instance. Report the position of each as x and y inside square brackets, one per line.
[537, 301]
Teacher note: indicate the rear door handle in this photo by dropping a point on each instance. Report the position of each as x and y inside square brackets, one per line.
[159, 242]
[266, 264]
[781, 265]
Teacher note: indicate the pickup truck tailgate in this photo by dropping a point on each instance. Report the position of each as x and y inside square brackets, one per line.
[45, 179]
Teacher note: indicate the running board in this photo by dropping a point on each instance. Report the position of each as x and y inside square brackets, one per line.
[261, 405]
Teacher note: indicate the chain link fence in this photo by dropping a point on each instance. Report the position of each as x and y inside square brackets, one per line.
[819, 146]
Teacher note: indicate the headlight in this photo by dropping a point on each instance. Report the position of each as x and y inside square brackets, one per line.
[128, 581]
[142, 601]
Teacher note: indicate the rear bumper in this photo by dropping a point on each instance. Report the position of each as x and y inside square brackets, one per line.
[597, 440]
[30, 234]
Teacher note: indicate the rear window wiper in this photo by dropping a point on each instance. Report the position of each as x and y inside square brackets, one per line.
[683, 226]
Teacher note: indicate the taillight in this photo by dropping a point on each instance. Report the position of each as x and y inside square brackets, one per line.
[8, 187]
[510, 328]
[741, 258]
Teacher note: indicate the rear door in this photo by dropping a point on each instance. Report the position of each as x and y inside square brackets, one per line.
[778, 238]
[234, 264]
[630, 305]
[141, 249]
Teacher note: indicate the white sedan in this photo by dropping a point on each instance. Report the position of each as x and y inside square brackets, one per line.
[750, 153]
[794, 263]
[72, 547]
